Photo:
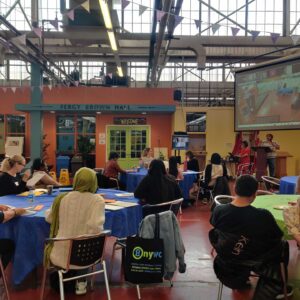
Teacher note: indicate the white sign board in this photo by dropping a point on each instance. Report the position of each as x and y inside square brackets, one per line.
[14, 145]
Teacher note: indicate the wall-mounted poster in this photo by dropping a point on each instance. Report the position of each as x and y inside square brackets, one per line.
[14, 145]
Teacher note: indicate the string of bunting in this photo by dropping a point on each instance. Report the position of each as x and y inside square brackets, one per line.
[214, 26]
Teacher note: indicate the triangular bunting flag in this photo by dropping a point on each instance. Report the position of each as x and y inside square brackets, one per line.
[274, 37]
[110, 75]
[142, 9]
[54, 23]
[197, 23]
[86, 5]
[178, 20]
[254, 34]
[37, 31]
[50, 87]
[19, 40]
[295, 39]
[125, 3]
[70, 14]
[14, 89]
[159, 15]
[215, 27]
[4, 89]
[76, 83]
[234, 31]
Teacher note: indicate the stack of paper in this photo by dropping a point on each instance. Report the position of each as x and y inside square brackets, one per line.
[125, 194]
[112, 207]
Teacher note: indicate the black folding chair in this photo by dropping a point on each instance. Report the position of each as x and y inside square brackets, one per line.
[84, 252]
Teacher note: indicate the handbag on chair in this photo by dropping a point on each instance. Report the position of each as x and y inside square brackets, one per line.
[144, 258]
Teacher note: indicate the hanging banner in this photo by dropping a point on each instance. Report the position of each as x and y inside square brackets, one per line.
[142, 9]
[125, 3]
[86, 5]
[234, 31]
[215, 28]
[70, 14]
[159, 15]
[197, 23]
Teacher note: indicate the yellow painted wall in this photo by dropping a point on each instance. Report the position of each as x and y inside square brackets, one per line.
[220, 135]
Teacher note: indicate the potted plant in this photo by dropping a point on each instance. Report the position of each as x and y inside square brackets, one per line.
[85, 147]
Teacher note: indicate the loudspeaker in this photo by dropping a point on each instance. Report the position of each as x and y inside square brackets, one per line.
[177, 95]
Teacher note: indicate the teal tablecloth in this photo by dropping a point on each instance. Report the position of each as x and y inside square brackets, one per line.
[269, 201]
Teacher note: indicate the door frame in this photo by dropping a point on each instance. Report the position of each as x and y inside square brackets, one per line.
[122, 126]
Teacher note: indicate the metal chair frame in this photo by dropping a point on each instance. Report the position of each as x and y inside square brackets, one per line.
[4, 279]
[62, 271]
[216, 199]
[244, 169]
[271, 180]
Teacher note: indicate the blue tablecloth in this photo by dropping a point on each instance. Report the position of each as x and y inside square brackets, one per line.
[29, 232]
[288, 184]
[132, 180]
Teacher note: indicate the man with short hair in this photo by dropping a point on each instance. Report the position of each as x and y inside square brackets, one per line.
[248, 239]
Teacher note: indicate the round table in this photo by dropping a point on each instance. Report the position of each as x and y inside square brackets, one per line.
[288, 185]
[132, 180]
[269, 201]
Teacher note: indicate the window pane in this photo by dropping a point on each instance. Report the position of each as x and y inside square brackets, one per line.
[86, 124]
[15, 124]
[65, 143]
[86, 143]
[65, 124]
[196, 122]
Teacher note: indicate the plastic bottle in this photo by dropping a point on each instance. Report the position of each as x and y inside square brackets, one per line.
[31, 195]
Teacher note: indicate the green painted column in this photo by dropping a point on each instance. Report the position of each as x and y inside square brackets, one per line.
[36, 122]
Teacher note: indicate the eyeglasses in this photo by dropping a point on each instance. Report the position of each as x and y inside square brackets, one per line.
[23, 165]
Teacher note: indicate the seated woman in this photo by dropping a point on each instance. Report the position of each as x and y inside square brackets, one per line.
[157, 186]
[213, 170]
[192, 161]
[146, 158]
[173, 168]
[39, 167]
[72, 214]
[291, 216]
[11, 182]
[112, 170]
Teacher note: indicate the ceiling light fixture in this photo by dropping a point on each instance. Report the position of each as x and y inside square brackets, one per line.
[112, 40]
[106, 14]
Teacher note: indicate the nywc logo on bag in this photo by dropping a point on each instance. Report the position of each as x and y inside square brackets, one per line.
[138, 253]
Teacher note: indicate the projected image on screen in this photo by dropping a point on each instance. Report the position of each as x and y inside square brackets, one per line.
[268, 97]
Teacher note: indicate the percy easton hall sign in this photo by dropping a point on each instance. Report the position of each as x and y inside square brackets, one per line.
[97, 107]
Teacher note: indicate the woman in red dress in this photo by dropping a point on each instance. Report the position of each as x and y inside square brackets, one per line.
[244, 156]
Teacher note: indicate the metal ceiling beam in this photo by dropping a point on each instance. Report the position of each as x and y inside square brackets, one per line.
[156, 5]
[224, 16]
[171, 28]
[162, 27]
[227, 17]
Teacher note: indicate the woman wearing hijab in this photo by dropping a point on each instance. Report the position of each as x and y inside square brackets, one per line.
[157, 186]
[72, 214]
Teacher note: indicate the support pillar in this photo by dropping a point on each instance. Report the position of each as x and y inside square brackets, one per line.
[36, 124]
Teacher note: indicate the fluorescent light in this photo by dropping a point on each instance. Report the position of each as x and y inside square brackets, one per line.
[112, 40]
[120, 71]
[105, 14]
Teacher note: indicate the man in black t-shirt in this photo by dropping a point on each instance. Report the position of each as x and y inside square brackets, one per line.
[247, 239]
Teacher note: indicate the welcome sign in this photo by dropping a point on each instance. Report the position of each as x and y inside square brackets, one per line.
[144, 260]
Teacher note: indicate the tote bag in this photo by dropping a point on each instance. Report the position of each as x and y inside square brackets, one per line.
[144, 258]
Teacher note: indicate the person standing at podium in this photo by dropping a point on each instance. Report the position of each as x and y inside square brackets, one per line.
[271, 156]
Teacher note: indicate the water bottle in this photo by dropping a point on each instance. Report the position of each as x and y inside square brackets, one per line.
[31, 195]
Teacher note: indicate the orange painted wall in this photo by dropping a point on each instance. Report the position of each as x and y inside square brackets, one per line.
[8, 100]
[161, 124]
